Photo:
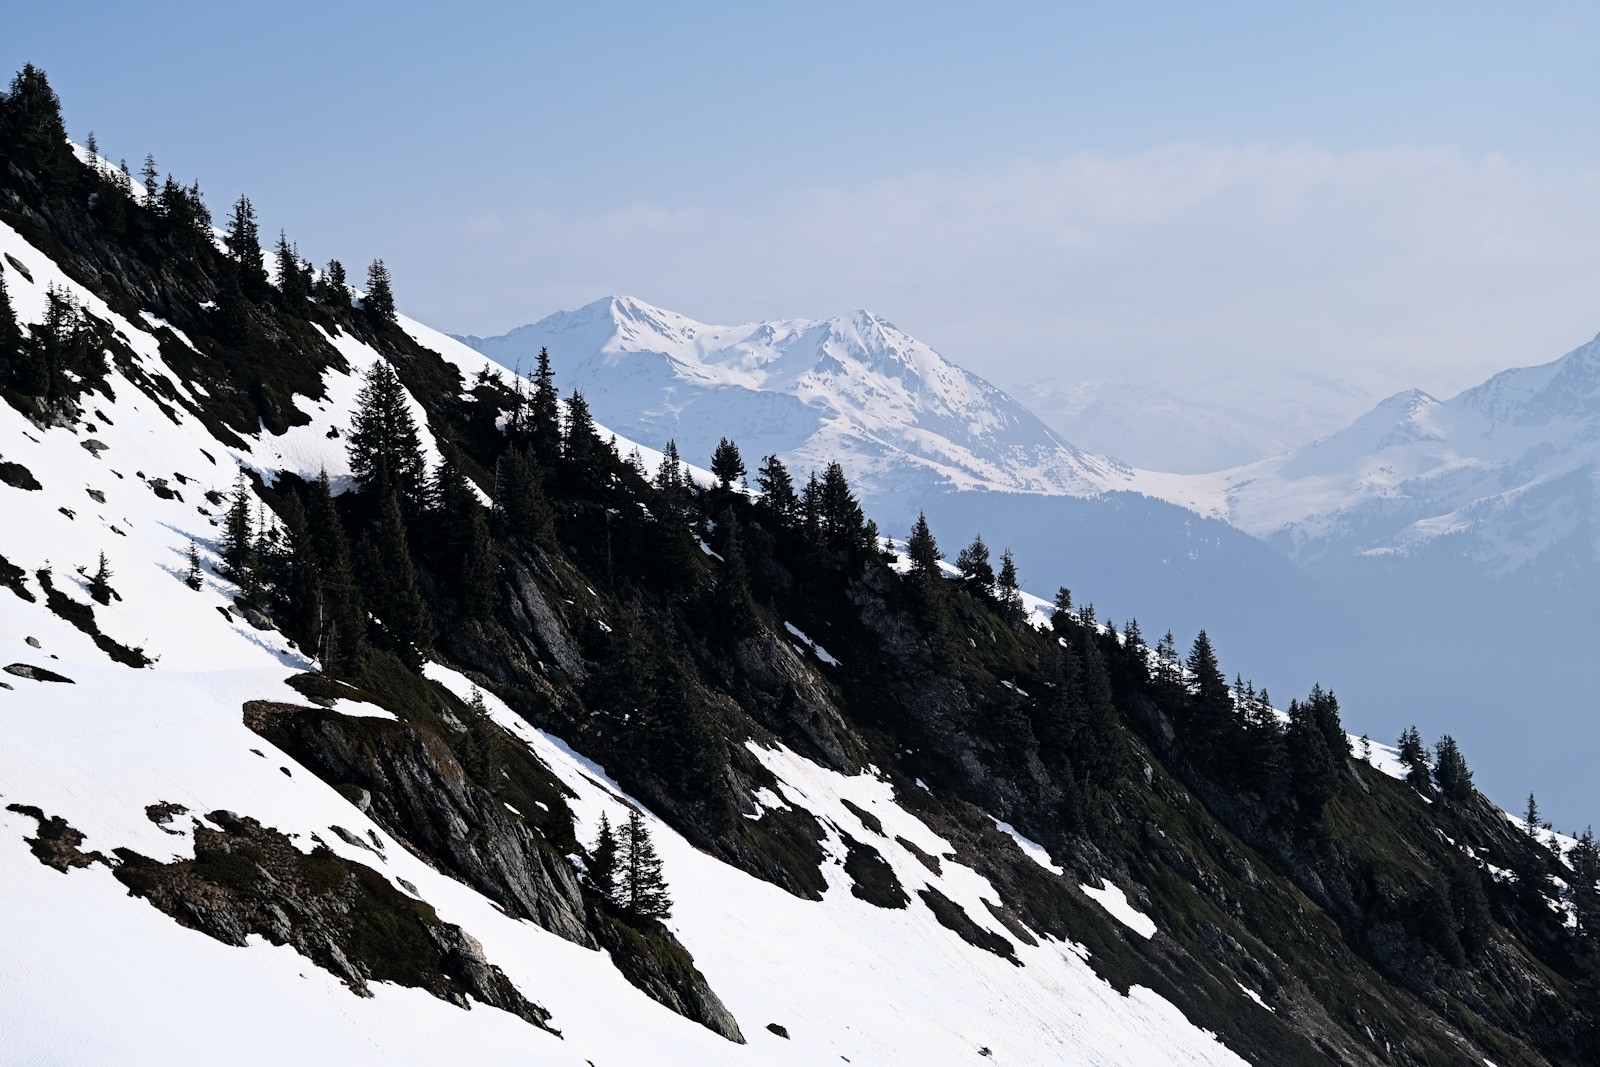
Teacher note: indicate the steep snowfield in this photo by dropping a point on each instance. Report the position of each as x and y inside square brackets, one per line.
[855, 388]
[92, 974]
[1508, 467]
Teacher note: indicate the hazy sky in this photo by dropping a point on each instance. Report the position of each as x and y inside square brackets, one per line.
[1396, 193]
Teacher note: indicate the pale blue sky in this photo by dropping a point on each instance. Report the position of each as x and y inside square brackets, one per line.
[1403, 193]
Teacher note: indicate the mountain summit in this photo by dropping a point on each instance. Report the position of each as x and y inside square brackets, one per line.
[854, 388]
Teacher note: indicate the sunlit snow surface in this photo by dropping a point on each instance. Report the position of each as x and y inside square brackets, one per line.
[92, 975]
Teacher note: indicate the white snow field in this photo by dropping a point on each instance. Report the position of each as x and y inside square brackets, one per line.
[92, 975]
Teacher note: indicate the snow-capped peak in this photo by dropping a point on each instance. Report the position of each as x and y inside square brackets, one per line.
[854, 388]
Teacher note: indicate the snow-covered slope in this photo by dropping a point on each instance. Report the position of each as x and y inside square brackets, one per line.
[92, 973]
[1505, 471]
[854, 389]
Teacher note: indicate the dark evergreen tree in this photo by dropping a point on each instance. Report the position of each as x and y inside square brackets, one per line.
[1010, 592]
[643, 887]
[100, 582]
[32, 111]
[1530, 819]
[1414, 756]
[1473, 923]
[385, 450]
[1585, 861]
[1325, 711]
[1214, 726]
[238, 535]
[922, 550]
[1313, 769]
[193, 576]
[1450, 769]
[333, 290]
[461, 541]
[147, 176]
[778, 500]
[672, 485]
[244, 246]
[394, 591]
[603, 861]
[726, 464]
[842, 525]
[10, 333]
[523, 507]
[582, 452]
[379, 301]
[544, 412]
[340, 634]
[294, 282]
[976, 570]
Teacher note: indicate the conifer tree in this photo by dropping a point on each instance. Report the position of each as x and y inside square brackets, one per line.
[461, 540]
[843, 525]
[778, 499]
[379, 301]
[1471, 906]
[544, 412]
[976, 570]
[582, 451]
[100, 582]
[193, 576]
[1450, 769]
[244, 246]
[922, 550]
[294, 288]
[384, 447]
[671, 483]
[10, 332]
[643, 888]
[147, 176]
[333, 290]
[396, 595]
[1010, 591]
[1313, 769]
[33, 112]
[1415, 758]
[603, 861]
[340, 627]
[726, 464]
[1530, 817]
[238, 535]
[523, 507]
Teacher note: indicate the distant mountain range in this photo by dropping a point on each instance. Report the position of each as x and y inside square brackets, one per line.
[1503, 475]
[853, 388]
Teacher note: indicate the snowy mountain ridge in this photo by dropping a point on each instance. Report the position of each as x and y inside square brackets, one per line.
[1506, 471]
[853, 388]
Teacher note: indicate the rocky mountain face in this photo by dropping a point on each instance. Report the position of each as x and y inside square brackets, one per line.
[315, 767]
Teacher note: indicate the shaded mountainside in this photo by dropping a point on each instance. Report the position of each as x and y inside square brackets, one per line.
[883, 792]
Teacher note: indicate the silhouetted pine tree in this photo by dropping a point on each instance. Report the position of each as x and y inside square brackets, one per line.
[726, 464]
[393, 589]
[385, 450]
[1415, 758]
[333, 289]
[379, 301]
[976, 570]
[603, 861]
[238, 535]
[643, 886]
[243, 239]
[1313, 769]
[544, 412]
[778, 500]
[1450, 768]
[340, 635]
